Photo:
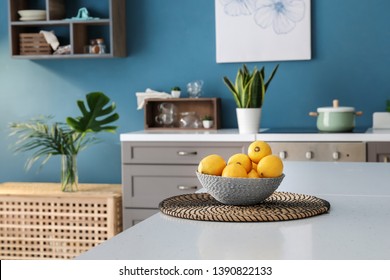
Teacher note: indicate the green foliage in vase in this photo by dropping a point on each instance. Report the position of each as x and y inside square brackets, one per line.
[249, 88]
[207, 118]
[45, 140]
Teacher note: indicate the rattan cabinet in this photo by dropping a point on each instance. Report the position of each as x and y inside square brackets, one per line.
[107, 21]
[39, 221]
[153, 171]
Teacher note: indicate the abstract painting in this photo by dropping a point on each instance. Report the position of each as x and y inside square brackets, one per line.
[262, 30]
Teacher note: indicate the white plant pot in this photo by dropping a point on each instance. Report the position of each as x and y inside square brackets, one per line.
[175, 93]
[248, 120]
[208, 123]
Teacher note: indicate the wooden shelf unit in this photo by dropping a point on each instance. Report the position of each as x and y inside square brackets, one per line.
[201, 106]
[110, 26]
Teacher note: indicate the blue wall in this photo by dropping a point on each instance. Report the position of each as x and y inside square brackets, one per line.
[172, 42]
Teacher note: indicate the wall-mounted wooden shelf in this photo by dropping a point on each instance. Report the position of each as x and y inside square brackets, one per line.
[201, 106]
[109, 25]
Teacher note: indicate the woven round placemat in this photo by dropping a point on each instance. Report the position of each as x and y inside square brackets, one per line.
[280, 206]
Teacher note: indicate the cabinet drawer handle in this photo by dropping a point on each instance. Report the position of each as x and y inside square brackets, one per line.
[385, 159]
[183, 153]
[184, 188]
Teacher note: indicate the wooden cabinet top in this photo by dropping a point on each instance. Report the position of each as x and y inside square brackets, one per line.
[54, 189]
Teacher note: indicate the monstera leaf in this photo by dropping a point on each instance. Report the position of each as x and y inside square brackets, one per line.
[96, 117]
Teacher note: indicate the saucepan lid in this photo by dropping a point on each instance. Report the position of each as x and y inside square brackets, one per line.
[336, 108]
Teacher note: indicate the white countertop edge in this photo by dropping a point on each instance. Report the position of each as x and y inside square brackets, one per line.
[322, 137]
[232, 135]
[224, 135]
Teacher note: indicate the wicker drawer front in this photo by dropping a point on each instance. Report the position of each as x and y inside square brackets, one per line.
[56, 227]
[177, 153]
[33, 44]
[147, 186]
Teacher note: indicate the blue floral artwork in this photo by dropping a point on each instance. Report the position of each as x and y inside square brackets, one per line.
[238, 7]
[262, 30]
[282, 15]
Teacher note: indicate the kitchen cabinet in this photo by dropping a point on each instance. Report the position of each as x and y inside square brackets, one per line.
[378, 151]
[154, 171]
[320, 151]
[170, 158]
[107, 23]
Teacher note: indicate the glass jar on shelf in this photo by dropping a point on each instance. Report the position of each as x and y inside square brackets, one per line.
[189, 120]
[101, 45]
[97, 46]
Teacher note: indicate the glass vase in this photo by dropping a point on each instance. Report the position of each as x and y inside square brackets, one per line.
[69, 174]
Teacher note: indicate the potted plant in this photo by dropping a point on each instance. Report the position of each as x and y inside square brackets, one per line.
[248, 91]
[66, 139]
[175, 92]
[207, 121]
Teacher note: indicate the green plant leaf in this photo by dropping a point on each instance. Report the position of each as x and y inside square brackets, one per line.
[270, 77]
[262, 72]
[246, 75]
[96, 117]
[245, 70]
[262, 91]
[246, 96]
[256, 90]
[233, 90]
[41, 139]
[249, 88]
[240, 88]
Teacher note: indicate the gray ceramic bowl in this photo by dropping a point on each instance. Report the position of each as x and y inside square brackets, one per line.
[239, 191]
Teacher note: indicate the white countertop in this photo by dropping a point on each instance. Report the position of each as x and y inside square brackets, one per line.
[356, 227]
[224, 135]
[232, 135]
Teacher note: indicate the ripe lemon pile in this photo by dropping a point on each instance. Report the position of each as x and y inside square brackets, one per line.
[258, 163]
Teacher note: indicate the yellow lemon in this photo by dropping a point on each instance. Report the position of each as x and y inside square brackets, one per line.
[234, 170]
[258, 149]
[254, 165]
[212, 165]
[270, 166]
[241, 159]
[253, 174]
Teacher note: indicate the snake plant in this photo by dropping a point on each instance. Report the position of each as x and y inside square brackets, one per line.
[249, 88]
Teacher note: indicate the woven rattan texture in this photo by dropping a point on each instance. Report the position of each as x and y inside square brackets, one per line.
[62, 227]
[281, 206]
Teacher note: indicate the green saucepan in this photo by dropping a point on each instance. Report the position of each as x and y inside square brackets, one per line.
[335, 119]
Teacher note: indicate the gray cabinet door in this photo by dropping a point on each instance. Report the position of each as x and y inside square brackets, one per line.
[145, 186]
[177, 152]
[378, 151]
[153, 171]
[132, 217]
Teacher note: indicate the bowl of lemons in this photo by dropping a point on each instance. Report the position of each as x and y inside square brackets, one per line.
[245, 179]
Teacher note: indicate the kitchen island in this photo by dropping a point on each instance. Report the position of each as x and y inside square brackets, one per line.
[356, 226]
[157, 164]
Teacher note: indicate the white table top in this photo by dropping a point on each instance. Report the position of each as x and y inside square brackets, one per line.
[232, 135]
[356, 227]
